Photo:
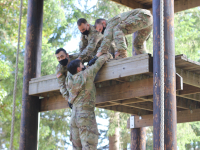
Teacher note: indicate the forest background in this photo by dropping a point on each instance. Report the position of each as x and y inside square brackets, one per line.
[60, 30]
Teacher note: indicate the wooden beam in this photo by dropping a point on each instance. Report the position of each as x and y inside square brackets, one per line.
[128, 3]
[53, 103]
[189, 77]
[125, 90]
[195, 97]
[120, 102]
[115, 69]
[128, 110]
[188, 89]
[182, 116]
[180, 5]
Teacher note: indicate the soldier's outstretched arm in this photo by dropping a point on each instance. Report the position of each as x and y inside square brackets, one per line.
[61, 83]
[105, 44]
[92, 70]
[73, 56]
[96, 37]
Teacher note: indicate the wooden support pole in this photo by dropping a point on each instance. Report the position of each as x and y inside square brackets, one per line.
[170, 77]
[138, 138]
[31, 104]
[156, 74]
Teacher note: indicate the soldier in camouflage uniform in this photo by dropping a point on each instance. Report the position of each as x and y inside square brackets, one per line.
[90, 40]
[116, 28]
[82, 95]
[61, 69]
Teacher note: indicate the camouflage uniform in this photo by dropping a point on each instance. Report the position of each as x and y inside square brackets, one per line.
[129, 22]
[61, 74]
[82, 94]
[89, 44]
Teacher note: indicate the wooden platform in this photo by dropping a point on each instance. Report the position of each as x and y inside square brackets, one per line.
[179, 5]
[126, 85]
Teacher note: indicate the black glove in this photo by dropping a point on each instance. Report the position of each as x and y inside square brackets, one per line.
[92, 61]
[70, 105]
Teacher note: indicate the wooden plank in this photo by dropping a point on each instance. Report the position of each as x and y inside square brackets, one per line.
[141, 105]
[182, 116]
[120, 102]
[189, 77]
[125, 67]
[53, 103]
[141, 64]
[129, 110]
[180, 5]
[195, 97]
[125, 90]
[128, 3]
[188, 89]
[187, 104]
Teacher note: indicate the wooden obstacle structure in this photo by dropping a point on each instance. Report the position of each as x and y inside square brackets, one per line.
[130, 85]
[126, 85]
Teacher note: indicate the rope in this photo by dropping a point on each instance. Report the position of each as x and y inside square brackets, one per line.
[161, 75]
[15, 84]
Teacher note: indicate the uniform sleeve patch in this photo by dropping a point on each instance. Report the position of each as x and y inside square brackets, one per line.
[59, 74]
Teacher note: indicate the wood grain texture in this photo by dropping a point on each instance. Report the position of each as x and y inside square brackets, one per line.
[182, 117]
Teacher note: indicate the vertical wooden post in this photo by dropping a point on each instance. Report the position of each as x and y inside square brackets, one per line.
[170, 77]
[32, 69]
[170, 80]
[156, 74]
[138, 138]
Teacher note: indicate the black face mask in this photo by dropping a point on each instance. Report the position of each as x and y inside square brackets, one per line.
[86, 32]
[83, 68]
[64, 62]
[103, 30]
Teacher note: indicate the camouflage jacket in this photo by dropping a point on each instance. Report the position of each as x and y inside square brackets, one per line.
[110, 24]
[81, 87]
[61, 74]
[90, 43]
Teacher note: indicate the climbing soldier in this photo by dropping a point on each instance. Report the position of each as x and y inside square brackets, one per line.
[116, 28]
[90, 40]
[61, 69]
[82, 95]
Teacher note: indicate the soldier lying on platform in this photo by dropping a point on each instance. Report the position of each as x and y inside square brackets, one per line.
[61, 69]
[116, 28]
[82, 95]
[90, 40]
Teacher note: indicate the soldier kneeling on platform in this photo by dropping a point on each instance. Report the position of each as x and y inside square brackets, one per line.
[82, 96]
[116, 28]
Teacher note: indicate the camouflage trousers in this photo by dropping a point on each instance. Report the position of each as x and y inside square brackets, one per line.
[83, 129]
[141, 22]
